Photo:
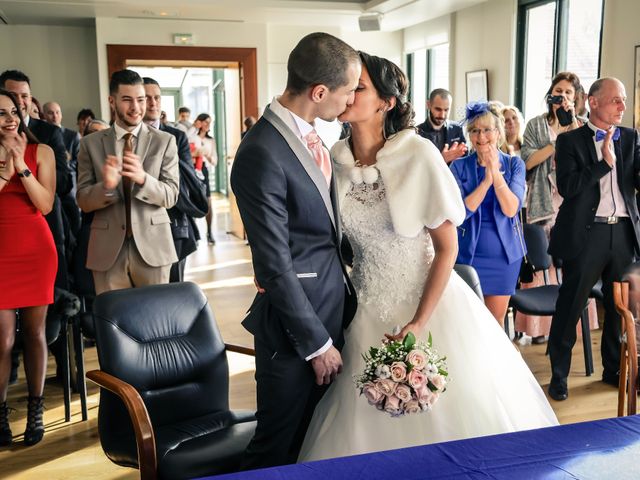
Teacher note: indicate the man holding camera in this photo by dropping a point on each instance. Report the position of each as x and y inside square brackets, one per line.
[597, 229]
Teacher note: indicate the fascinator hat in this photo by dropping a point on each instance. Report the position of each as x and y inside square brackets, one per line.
[475, 109]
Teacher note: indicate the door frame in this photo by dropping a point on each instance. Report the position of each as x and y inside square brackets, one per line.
[246, 58]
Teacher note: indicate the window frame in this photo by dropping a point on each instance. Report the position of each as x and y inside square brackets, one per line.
[560, 41]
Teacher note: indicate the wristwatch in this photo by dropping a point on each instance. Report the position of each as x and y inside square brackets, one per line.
[25, 173]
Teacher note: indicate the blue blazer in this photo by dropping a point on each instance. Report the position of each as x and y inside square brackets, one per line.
[465, 171]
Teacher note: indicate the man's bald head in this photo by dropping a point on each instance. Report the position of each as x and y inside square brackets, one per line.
[52, 113]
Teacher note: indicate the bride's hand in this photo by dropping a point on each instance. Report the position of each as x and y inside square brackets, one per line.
[409, 327]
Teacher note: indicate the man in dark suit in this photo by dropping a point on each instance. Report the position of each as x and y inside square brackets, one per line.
[286, 197]
[53, 115]
[597, 230]
[192, 198]
[444, 134]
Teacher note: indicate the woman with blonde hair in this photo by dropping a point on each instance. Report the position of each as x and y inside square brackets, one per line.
[492, 187]
[513, 128]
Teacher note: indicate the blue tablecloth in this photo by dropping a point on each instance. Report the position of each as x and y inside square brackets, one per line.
[603, 449]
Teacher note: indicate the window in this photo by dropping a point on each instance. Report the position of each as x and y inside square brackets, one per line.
[554, 36]
[439, 67]
[583, 40]
[427, 69]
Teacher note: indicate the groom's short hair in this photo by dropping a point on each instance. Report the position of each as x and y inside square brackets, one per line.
[319, 58]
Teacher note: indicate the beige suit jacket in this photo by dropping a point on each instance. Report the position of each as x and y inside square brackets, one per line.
[150, 222]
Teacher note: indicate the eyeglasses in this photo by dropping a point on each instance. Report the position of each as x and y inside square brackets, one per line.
[476, 131]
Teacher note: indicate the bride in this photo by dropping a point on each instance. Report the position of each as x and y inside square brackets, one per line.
[400, 206]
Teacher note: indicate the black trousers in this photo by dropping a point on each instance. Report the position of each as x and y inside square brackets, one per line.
[608, 251]
[287, 396]
[176, 274]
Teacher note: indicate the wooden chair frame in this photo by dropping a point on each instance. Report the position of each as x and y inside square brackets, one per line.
[145, 437]
[628, 351]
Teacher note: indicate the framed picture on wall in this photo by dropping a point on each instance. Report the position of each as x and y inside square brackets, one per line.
[477, 86]
[636, 90]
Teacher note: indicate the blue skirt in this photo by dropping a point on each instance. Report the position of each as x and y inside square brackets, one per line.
[497, 275]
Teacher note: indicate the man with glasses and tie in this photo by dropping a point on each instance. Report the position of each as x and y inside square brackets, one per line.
[283, 181]
[597, 230]
[128, 177]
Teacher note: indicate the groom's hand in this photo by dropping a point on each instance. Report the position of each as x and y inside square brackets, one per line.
[327, 366]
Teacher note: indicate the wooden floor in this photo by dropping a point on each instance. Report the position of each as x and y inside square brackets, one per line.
[72, 450]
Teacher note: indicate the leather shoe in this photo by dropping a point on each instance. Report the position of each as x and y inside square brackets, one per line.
[612, 379]
[558, 392]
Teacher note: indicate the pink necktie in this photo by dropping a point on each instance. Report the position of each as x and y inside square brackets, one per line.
[320, 154]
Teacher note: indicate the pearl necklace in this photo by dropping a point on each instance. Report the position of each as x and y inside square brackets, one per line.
[368, 174]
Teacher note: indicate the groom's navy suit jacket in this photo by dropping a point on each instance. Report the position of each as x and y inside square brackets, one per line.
[293, 229]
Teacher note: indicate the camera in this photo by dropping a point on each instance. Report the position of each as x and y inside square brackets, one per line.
[555, 99]
[564, 117]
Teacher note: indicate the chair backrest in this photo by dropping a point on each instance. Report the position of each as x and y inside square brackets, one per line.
[164, 341]
[470, 276]
[537, 245]
[632, 277]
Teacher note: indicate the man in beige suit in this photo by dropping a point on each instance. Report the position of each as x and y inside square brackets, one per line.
[128, 177]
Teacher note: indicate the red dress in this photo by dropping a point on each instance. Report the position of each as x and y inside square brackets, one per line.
[28, 258]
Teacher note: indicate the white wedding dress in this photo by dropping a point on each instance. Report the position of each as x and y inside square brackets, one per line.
[491, 390]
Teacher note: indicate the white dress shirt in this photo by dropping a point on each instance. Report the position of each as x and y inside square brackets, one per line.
[611, 199]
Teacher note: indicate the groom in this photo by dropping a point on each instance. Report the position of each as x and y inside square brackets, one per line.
[282, 179]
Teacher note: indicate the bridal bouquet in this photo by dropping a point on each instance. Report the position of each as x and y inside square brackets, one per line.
[402, 377]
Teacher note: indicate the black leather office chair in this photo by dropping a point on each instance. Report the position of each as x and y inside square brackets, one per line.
[470, 276]
[164, 401]
[542, 300]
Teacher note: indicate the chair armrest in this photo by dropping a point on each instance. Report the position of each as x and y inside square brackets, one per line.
[240, 349]
[145, 439]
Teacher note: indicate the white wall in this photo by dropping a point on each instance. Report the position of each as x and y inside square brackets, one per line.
[160, 32]
[619, 38]
[60, 62]
[427, 34]
[484, 38]
[273, 44]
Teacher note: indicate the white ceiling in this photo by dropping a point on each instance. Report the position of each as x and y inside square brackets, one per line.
[397, 14]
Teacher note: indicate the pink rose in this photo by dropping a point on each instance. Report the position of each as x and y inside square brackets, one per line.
[403, 392]
[417, 358]
[412, 406]
[398, 371]
[416, 379]
[372, 395]
[386, 386]
[438, 381]
[392, 405]
[426, 396]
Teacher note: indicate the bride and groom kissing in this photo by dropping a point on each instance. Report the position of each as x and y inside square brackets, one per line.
[400, 215]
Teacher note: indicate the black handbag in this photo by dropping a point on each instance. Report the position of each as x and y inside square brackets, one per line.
[527, 269]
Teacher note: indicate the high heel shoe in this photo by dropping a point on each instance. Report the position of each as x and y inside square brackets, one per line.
[5, 431]
[35, 428]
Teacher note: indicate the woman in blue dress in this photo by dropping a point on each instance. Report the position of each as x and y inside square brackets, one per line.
[492, 186]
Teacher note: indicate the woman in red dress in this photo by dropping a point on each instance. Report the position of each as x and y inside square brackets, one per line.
[28, 260]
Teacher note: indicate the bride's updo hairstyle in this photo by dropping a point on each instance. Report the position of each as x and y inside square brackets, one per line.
[390, 82]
